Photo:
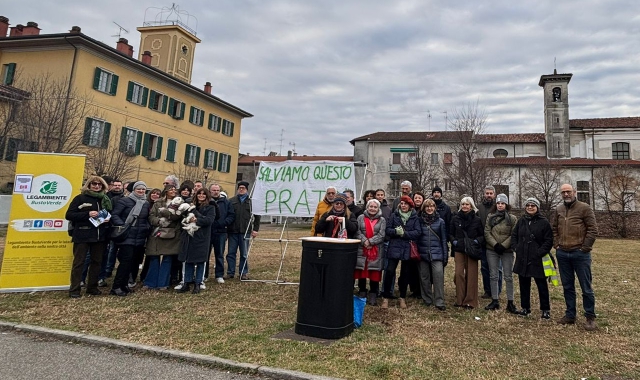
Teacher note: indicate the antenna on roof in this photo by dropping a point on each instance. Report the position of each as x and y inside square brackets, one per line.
[294, 146]
[429, 119]
[446, 120]
[281, 140]
[120, 30]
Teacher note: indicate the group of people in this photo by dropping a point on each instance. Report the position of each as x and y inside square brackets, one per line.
[420, 233]
[169, 231]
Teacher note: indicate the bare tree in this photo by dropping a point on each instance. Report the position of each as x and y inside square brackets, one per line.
[423, 171]
[111, 160]
[189, 172]
[470, 171]
[543, 182]
[615, 187]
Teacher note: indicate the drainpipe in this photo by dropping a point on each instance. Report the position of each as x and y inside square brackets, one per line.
[73, 68]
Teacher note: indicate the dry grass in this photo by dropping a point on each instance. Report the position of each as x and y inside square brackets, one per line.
[237, 320]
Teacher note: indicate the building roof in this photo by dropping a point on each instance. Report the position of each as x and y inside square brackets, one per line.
[409, 136]
[609, 122]
[249, 160]
[573, 162]
[512, 138]
[74, 39]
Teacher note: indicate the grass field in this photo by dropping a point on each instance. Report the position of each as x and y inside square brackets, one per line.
[237, 321]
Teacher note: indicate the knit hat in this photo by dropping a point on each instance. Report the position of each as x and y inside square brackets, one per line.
[502, 198]
[223, 194]
[341, 197]
[243, 183]
[139, 184]
[436, 188]
[532, 200]
[407, 199]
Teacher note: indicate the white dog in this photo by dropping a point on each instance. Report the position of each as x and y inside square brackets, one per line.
[187, 223]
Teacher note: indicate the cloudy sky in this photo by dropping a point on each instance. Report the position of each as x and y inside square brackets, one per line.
[317, 74]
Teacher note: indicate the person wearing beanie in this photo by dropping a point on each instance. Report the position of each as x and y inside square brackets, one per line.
[402, 228]
[244, 227]
[330, 223]
[224, 217]
[323, 206]
[466, 223]
[487, 202]
[532, 239]
[442, 207]
[497, 233]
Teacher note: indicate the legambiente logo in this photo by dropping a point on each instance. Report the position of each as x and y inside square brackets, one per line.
[53, 193]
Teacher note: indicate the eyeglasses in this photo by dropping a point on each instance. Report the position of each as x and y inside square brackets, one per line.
[331, 193]
[96, 184]
[530, 205]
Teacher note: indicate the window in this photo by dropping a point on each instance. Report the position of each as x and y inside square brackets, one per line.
[96, 133]
[196, 116]
[396, 160]
[620, 151]
[105, 81]
[224, 163]
[176, 109]
[210, 159]
[16, 145]
[582, 189]
[158, 101]
[130, 141]
[434, 158]
[8, 71]
[192, 155]
[238, 177]
[171, 150]
[448, 158]
[500, 153]
[227, 128]
[152, 146]
[215, 122]
[137, 93]
[447, 185]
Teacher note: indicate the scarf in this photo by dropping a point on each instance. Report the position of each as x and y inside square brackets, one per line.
[105, 201]
[429, 219]
[496, 218]
[140, 201]
[336, 224]
[242, 198]
[370, 253]
[404, 216]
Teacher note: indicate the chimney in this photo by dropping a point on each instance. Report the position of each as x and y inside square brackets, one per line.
[31, 29]
[75, 30]
[4, 26]
[123, 47]
[146, 57]
[16, 30]
[207, 87]
[289, 154]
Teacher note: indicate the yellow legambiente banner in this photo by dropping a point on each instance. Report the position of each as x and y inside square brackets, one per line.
[38, 250]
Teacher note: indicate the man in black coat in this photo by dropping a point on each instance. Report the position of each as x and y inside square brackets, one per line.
[244, 227]
[224, 217]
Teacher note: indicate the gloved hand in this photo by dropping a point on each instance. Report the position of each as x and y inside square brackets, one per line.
[499, 248]
[399, 231]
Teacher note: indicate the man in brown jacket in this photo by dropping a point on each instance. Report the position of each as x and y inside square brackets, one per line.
[574, 232]
[324, 206]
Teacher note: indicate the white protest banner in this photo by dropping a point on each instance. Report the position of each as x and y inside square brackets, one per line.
[294, 188]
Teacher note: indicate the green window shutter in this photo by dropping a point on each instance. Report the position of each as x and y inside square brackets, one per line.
[164, 104]
[201, 118]
[171, 107]
[220, 162]
[87, 131]
[96, 78]
[207, 153]
[123, 139]
[145, 93]
[130, 91]
[228, 168]
[182, 107]
[159, 148]
[209, 126]
[191, 112]
[171, 150]
[11, 70]
[215, 160]
[186, 154]
[153, 98]
[145, 145]
[114, 84]
[197, 156]
[105, 135]
[219, 124]
[138, 142]
[231, 129]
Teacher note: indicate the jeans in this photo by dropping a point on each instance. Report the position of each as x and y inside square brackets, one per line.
[218, 241]
[159, 271]
[571, 264]
[486, 273]
[403, 281]
[108, 261]
[496, 263]
[189, 269]
[237, 241]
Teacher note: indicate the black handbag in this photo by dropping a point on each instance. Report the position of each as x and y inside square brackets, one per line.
[471, 248]
[120, 233]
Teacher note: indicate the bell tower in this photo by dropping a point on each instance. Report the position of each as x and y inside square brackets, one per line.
[556, 114]
[171, 42]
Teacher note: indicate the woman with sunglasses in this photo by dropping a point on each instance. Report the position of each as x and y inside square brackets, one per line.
[195, 249]
[86, 236]
[330, 223]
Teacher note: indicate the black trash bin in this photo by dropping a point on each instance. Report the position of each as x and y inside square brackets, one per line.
[325, 297]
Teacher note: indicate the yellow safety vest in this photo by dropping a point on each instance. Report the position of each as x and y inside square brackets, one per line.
[550, 270]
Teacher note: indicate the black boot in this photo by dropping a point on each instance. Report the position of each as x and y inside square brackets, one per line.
[372, 299]
[546, 314]
[525, 312]
[196, 288]
[511, 307]
[494, 305]
[185, 288]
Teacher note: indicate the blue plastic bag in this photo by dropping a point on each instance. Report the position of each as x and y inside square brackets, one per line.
[358, 310]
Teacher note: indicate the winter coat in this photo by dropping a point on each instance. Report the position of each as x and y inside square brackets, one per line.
[376, 240]
[157, 246]
[196, 248]
[444, 211]
[532, 240]
[355, 209]
[574, 227]
[242, 220]
[225, 216]
[324, 228]
[500, 233]
[432, 243]
[469, 223]
[322, 207]
[115, 197]
[483, 210]
[83, 230]
[399, 245]
[139, 229]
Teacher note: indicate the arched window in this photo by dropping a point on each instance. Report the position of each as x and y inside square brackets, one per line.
[500, 153]
[557, 94]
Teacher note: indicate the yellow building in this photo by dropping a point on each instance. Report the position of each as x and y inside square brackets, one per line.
[144, 108]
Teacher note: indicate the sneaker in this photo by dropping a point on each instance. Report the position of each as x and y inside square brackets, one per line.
[202, 286]
[566, 321]
[132, 285]
[244, 277]
[590, 324]
[179, 286]
[525, 312]
[220, 280]
[205, 279]
[118, 292]
[82, 284]
[102, 283]
[546, 314]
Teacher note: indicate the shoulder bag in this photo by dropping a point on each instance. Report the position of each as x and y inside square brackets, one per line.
[120, 233]
[471, 248]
